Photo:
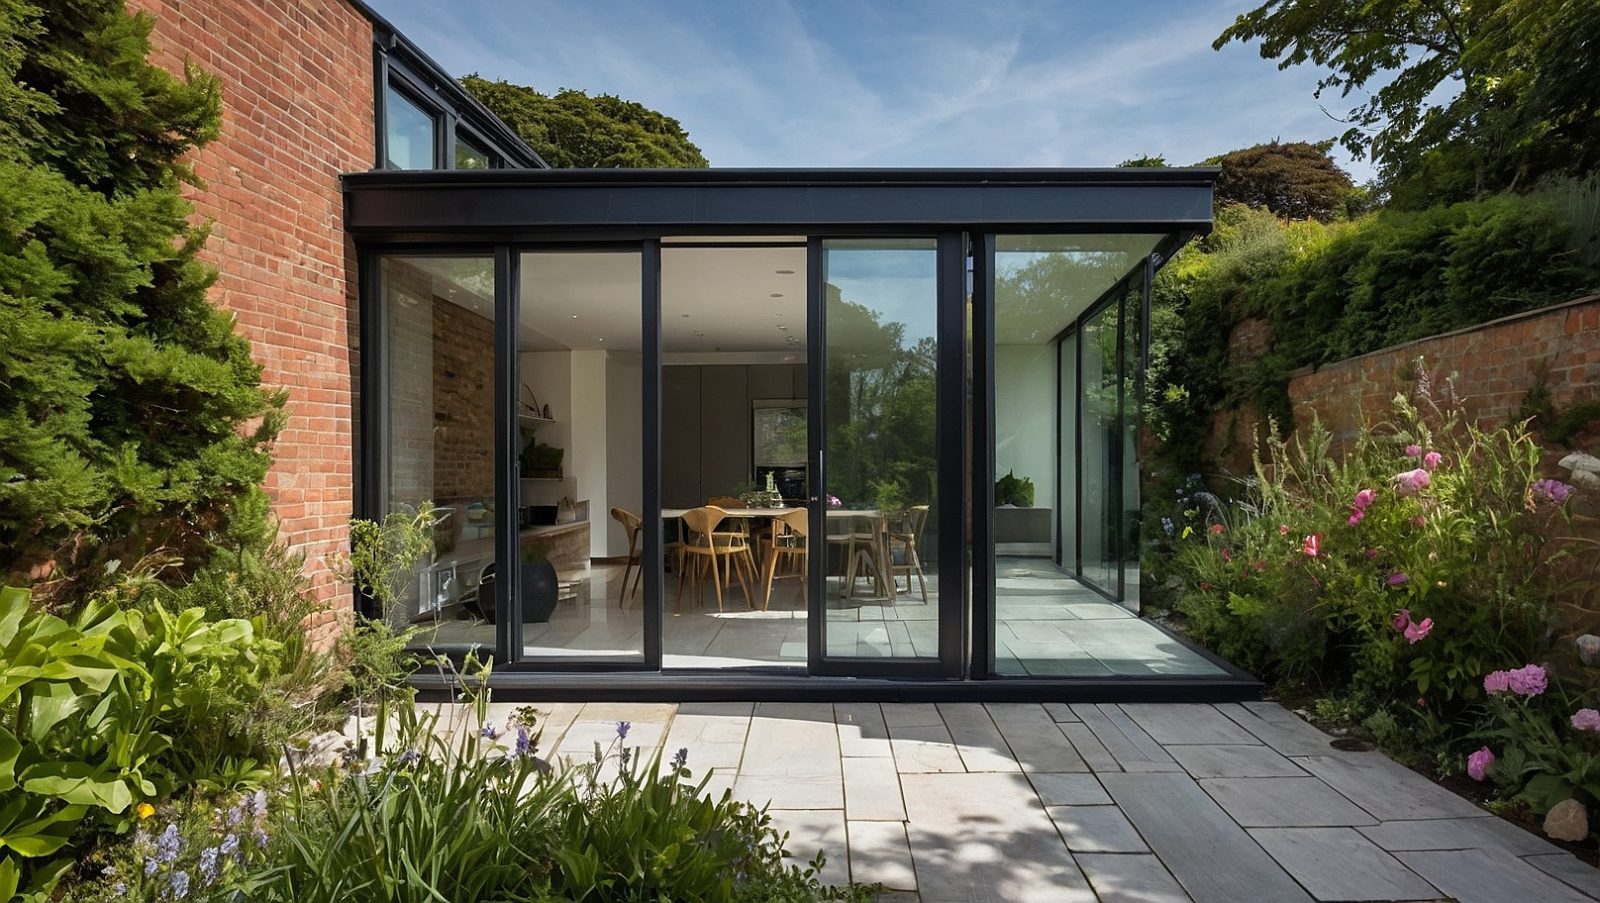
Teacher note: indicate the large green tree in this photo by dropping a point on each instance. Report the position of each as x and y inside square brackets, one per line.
[1296, 180]
[1460, 96]
[571, 129]
[132, 417]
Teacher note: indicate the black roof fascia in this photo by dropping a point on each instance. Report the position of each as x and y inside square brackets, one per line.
[467, 108]
[510, 204]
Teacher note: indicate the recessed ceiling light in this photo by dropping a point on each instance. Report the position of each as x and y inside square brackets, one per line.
[784, 272]
[782, 328]
[685, 316]
[699, 333]
[574, 316]
[602, 339]
[776, 295]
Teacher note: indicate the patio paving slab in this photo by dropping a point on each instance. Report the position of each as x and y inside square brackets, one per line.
[872, 790]
[1177, 724]
[1069, 790]
[1480, 876]
[1340, 864]
[862, 731]
[1125, 878]
[1388, 790]
[983, 837]
[977, 739]
[1096, 829]
[1133, 749]
[881, 854]
[1284, 803]
[1210, 855]
[1279, 728]
[1234, 762]
[1034, 738]
[1574, 872]
[1484, 832]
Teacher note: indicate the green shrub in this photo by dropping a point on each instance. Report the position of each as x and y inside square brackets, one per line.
[1013, 490]
[1305, 578]
[110, 709]
[456, 809]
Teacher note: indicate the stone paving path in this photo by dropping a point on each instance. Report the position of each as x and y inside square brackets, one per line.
[1117, 803]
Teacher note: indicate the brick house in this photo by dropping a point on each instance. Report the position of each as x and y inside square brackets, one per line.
[301, 106]
[642, 398]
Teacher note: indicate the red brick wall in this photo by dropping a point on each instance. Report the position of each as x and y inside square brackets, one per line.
[297, 82]
[1497, 363]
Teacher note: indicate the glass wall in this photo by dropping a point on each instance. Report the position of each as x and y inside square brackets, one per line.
[734, 434]
[410, 139]
[580, 419]
[439, 328]
[1064, 432]
[880, 455]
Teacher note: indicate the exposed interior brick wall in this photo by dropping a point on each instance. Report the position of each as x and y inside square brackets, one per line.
[463, 404]
[297, 82]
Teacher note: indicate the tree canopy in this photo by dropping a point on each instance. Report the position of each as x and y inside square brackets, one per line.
[1461, 96]
[132, 417]
[1297, 180]
[571, 129]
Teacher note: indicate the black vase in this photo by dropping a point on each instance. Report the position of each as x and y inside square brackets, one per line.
[540, 589]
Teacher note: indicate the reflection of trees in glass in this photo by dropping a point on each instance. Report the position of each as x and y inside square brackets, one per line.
[780, 436]
[1037, 294]
[881, 414]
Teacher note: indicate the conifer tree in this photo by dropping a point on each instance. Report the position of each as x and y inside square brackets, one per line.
[133, 422]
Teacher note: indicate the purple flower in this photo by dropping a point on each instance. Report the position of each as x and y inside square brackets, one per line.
[524, 747]
[488, 732]
[150, 866]
[1431, 460]
[1413, 450]
[168, 845]
[1553, 492]
[1496, 682]
[234, 815]
[622, 729]
[208, 864]
[1412, 481]
[409, 758]
[260, 837]
[1365, 498]
[1529, 680]
[681, 757]
[258, 804]
[1401, 619]
[180, 885]
[119, 889]
[1586, 720]
[1479, 763]
[1399, 578]
[230, 846]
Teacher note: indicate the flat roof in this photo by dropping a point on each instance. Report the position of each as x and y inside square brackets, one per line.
[629, 203]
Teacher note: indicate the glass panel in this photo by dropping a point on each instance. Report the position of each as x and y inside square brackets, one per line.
[469, 155]
[734, 436]
[409, 140]
[1048, 622]
[580, 415]
[440, 335]
[1132, 383]
[880, 453]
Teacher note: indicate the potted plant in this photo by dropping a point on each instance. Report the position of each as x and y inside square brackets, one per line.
[541, 461]
[1014, 491]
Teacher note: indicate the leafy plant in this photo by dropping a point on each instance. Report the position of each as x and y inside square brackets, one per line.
[1012, 490]
[103, 712]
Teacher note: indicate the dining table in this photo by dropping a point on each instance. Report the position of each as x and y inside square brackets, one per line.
[876, 521]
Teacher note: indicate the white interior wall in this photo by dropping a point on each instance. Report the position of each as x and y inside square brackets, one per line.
[1024, 416]
[586, 456]
[624, 407]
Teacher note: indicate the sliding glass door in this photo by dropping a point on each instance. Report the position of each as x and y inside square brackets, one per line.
[882, 368]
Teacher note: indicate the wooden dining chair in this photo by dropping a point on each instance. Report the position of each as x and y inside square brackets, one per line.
[788, 545]
[633, 524]
[738, 525]
[904, 535]
[726, 554]
[862, 546]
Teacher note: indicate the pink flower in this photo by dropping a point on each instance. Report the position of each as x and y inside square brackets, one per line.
[1283, 529]
[1356, 514]
[1496, 682]
[1479, 763]
[1312, 545]
[1552, 492]
[1412, 481]
[1226, 555]
[1431, 460]
[1216, 529]
[1365, 498]
[1402, 619]
[1372, 553]
[1419, 521]
[1418, 630]
[1529, 680]
[1586, 720]
[1413, 451]
[1399, 578]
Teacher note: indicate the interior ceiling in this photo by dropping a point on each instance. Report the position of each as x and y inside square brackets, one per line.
[1094, 264]
[752, 299]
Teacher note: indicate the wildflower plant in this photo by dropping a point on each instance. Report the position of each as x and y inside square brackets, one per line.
[1410, 565]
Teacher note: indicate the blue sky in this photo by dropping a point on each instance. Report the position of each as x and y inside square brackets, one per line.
[939, 83]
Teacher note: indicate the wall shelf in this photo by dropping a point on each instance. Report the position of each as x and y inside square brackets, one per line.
[529, 418]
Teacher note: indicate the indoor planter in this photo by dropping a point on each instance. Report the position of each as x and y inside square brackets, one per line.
[540, 588]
